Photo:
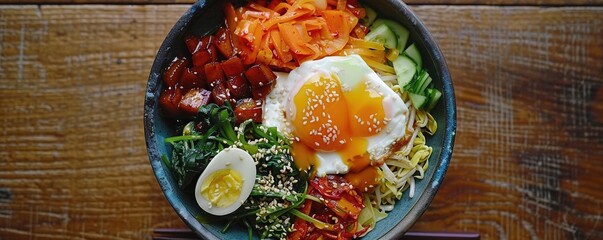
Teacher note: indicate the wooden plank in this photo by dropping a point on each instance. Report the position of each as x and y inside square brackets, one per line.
[73, 154]
[410, 2]
[527, 161]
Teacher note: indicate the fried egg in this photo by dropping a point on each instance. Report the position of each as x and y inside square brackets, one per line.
[226, 182]
[341, 115]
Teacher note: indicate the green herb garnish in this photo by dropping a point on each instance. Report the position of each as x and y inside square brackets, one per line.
[279, 187]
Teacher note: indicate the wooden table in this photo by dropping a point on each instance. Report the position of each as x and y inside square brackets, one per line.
[528, 160]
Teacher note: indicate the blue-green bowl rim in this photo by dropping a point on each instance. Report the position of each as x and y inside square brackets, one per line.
[401, 227]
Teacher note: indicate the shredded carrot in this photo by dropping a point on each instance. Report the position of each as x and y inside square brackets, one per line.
[313, 24]
[251, 33]
[360, 31]
[265, 54]
[259, 7]
[257, 14]
[341, 5]
[282, 52]
[231, 23]
[283, 34]
[293, 39]
[281, 7]
[290, 16]
[358, 12]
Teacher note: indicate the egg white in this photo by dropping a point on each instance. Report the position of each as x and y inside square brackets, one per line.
[273, 110]
[229, 158]
[279, 108]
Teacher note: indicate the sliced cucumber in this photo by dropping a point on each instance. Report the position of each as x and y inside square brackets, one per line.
[413, 53]
[433, 95]
[417, 81]
[370, 17]
[419, 88]
[378, 22]
[400, 31]
[408, 65]
[417, 100]
[425, 81]
[405, 69]
[382, 34]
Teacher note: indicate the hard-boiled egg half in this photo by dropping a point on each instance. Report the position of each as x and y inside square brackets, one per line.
[342, 116]
[226, 182]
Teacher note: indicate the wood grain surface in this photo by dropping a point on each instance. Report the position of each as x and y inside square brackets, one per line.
[528, 160]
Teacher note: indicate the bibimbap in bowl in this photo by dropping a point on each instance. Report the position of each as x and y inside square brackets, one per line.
[299, 119]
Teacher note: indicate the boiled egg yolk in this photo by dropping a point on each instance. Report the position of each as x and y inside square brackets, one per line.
[222, 188]
[226, 182]
[330, 118]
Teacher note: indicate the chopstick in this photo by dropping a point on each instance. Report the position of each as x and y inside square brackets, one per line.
[174, 234]
[187, 234]
[441, 235]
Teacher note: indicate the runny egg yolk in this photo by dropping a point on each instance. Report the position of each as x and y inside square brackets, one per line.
[329, 118]
[365, 180]
[222, 188]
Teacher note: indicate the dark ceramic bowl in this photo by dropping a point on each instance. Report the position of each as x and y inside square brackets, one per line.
[204, 17]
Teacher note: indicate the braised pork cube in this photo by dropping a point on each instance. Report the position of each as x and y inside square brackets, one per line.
[237, 84]
[233, 67]
[200, 73]
[248, 109]
[260, 75]
[214, 74]
[174, 71]
[221, 94]
[261, 93]
[169, 100]
[205, 52]
[190, 80]
[192, 43]
[238, 87]
[223, 42]
[193, 99]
